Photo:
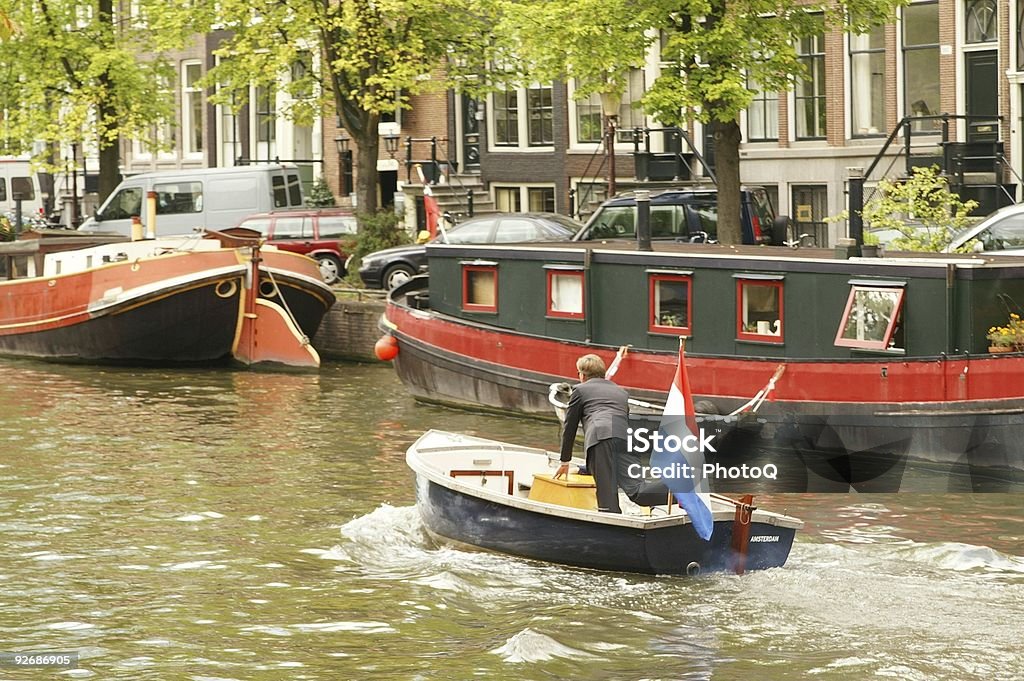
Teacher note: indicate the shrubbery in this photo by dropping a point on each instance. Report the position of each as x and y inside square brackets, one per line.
[377, 231]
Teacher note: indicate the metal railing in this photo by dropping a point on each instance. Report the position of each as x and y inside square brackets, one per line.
[949, 154]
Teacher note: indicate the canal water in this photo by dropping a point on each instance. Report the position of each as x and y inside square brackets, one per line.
[214, 525]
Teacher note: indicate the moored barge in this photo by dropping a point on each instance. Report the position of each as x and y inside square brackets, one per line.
[195, 299]
[882, 355]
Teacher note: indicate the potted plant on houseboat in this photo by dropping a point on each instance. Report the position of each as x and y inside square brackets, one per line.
[1008, 338]
[870, 249]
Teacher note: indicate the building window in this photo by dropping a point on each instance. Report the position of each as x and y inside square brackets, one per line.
[167, 129]
[266, 123]
[565, 293]
[590, 115]
[872, 319]
[762, 114]
[230, 148]
[480, 288]
[810, 90]
[526, 114]
[506, 118]
[536, 199]
[670, 308]
[506, 199]
[192, 108]
[867, 83]
[1020, 35]
[540, 117]
[921, 62]
[759, 309]
[540, 199]
[982, 21]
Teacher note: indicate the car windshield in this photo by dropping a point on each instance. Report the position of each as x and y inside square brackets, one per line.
[572, 225]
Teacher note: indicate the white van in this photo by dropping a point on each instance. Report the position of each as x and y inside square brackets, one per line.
[18, 179]
[214, 198]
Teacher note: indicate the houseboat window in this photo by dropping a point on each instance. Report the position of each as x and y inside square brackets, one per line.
[759, 312]
[480, 288]
[179, 197]
[669, 303]
[872, 319]
[565, 294]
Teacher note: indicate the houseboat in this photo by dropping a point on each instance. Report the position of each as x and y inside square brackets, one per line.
[882, 355]
[201, 298]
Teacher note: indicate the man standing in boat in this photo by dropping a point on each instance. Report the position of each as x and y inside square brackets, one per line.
[603, 408]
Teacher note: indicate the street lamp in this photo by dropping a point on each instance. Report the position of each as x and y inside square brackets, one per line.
[391, 144]
[610, 102]
[344, 162]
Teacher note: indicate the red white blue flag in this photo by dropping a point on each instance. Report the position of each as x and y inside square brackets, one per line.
[679, 420]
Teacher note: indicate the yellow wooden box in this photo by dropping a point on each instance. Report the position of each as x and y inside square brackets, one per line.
[579, 491]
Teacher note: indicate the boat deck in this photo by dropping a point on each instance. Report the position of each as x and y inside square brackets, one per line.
[776, 253]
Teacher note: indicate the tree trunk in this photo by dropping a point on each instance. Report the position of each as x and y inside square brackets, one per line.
[727, 168]
[110, 174]
[109, 149]
[368, 146]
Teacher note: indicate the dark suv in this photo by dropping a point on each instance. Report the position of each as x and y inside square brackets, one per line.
[686, 214]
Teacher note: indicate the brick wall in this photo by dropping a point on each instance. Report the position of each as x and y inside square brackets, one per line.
[349, 330]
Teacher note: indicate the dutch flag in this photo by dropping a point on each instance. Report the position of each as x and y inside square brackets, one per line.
[679, 420]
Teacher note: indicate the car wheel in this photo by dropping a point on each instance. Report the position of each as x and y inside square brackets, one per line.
[396, 275]
[331, 268]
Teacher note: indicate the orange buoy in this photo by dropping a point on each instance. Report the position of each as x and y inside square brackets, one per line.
[386, 348]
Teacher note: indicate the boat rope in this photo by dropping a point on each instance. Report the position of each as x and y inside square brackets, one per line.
[757, 400]
[280, 294]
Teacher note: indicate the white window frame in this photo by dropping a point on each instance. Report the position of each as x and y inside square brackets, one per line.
[623, 140]
[522, 124]
[524, 193]
[187, 124]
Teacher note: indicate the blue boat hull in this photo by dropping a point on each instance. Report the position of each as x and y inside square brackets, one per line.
[667, 550]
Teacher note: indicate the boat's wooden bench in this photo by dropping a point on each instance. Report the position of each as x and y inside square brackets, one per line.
[484, 474]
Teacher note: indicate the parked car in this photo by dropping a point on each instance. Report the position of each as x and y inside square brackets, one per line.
[1002, 232]
[316, 232]
[686, 214]
[392, 266]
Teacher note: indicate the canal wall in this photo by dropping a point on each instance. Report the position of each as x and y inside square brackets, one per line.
[349, 331]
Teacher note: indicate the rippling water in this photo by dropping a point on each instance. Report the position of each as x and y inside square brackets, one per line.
[215, 525]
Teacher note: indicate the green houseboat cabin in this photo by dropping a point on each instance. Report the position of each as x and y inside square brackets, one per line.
[893, 342]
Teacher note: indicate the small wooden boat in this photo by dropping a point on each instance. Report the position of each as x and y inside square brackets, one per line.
[502, 497]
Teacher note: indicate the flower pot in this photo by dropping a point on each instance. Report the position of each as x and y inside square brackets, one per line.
[994, 349]
[869, 250]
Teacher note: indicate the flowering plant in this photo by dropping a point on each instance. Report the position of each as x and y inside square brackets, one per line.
[1011, 335]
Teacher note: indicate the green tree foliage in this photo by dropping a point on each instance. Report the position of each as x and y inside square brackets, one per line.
[377, 231]
[922, 209]
[320, 194]
[360, 60]
[710, 49]
[74, 72]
